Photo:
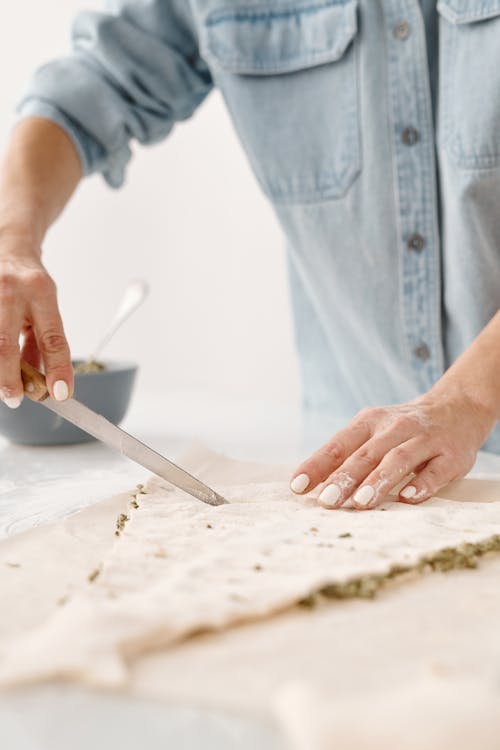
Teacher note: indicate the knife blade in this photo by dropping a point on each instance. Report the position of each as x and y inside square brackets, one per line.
[105, 431]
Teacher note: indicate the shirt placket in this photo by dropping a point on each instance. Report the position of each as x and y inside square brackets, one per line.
[415, 189]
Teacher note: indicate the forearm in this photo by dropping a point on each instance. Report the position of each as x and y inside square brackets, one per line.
[476, 373]
[40, 171]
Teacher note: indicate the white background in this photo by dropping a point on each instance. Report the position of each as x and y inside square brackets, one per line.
[190, 220]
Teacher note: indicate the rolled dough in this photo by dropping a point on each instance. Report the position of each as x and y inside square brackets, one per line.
[179, 568]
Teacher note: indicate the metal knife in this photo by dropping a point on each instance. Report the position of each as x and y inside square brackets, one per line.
[96, 425]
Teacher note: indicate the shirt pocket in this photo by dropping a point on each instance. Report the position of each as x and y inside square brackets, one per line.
[288, 73]
[469, 102]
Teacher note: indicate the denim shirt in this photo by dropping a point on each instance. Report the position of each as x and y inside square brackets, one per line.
[386, 179]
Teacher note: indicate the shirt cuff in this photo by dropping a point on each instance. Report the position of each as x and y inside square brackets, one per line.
[93, 156]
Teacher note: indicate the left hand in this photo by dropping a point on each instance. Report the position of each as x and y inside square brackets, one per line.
[434, 438]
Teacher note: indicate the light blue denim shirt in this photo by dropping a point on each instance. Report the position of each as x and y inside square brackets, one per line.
[384, 176]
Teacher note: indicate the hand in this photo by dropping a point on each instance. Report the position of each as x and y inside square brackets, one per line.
[434, 438]
[28, 307]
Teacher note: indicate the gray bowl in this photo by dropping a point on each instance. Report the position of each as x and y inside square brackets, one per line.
[107, 392]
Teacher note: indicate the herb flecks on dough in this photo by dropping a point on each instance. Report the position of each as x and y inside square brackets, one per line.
[121, 522]
[94, 575]
[450, 558]
[309, 602]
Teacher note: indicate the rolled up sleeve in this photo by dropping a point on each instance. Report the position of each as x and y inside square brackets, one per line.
[132, 74]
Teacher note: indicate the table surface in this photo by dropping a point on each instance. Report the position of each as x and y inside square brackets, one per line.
[40, 485]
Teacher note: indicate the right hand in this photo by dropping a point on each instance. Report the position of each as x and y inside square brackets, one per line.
[28, 307]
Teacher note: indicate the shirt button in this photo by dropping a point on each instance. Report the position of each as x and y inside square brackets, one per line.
[422, 352]
[410, 136]
[416, 242]
[402, 30]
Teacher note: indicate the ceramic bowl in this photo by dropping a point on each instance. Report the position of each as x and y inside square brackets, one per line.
[107, 392]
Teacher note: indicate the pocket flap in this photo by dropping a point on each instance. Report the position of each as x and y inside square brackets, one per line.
[272, 38]
[468, 11]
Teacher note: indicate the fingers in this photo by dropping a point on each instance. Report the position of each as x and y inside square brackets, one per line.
[330, 456]
[52, 344]
[28, 303]
[397, 464]
[353, 472]
[437, 474]
[29, 348]
[11, 386]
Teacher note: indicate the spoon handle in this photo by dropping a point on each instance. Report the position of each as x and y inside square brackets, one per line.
[134, 296]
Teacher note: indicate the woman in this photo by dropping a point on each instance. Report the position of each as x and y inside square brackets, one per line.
[384, 171]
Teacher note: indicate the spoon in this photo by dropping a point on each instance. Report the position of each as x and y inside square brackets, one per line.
[135, 294]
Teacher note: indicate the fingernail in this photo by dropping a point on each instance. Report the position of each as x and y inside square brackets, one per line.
[408, 492]
[300, 483]
[14, 402]
[364, 495]
[60, 390]
[330, 495]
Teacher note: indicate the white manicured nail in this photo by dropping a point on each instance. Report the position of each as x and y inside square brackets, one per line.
[61, 390]
[364, 495]
[14, 402]
[330, 495]
[300, 483]
[408, 492]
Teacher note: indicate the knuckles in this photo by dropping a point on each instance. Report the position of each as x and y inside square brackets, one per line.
[53, 342]
[40, 283]
[8, 284]
[402, 455]
[367, 456]
[452, 456]
[33, 281]
[435, 477]
[335, 452]
[369, 414]
[403, 423]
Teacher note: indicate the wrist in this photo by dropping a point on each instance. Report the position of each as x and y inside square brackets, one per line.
[19, 238]
[464, 394]
[473, 377]
[22, 212]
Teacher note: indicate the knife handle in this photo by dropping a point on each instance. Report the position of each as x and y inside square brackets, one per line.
[34, 383]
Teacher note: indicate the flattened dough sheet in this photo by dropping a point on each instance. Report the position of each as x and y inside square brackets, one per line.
[179, 567]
